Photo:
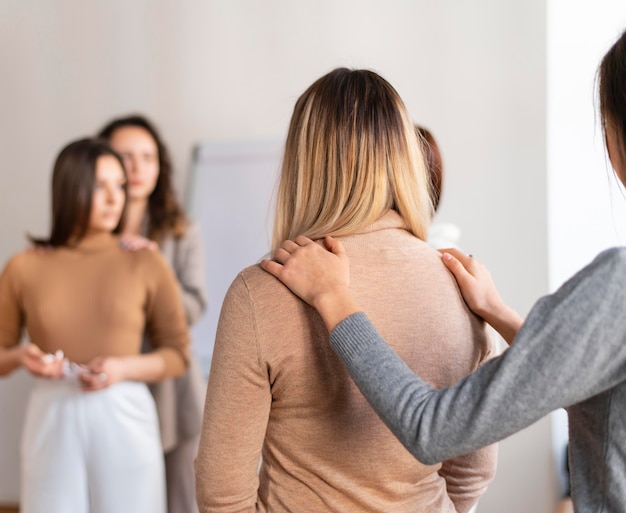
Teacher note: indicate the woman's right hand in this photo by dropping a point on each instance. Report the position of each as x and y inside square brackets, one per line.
[41, 364]
[480, 293]
[318, 275]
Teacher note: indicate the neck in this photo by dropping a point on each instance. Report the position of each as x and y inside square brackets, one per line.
[136, 211]
[89, 235]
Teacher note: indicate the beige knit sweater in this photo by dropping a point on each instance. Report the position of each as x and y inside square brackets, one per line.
[277, 391]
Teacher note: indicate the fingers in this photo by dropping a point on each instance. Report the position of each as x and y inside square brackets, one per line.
[94, 376]
[281, 255]
[466, 260]
[289, 247]
[272, 267]
[137, 242]
[334, 245]
[453, 263]
[301, 240]
[41, 364]
[285, 250]
[92, 381]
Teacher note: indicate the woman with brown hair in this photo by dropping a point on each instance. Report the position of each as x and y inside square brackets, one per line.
[153, 212]
[91, 440]
[277, 396]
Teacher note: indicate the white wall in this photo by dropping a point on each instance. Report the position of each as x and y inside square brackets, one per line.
[474, 72]
[586, 207]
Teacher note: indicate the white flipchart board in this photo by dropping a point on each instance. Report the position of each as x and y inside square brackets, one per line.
[230, 195]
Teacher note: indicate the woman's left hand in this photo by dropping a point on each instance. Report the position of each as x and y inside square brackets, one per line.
[136, 242]
[101, 373]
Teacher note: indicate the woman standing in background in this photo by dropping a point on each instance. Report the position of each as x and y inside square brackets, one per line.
[154, 213]
[90, 442]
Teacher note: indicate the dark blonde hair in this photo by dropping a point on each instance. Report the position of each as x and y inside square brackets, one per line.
[165, 215]
[351, 155]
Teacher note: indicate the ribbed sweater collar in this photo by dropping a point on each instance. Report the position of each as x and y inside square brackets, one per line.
[391, 219]
[369, 236]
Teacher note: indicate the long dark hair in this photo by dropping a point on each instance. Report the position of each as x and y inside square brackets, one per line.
[165, 215]
[73, 181]
[612, 92]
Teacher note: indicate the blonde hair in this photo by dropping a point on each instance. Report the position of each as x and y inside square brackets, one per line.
[351, 155]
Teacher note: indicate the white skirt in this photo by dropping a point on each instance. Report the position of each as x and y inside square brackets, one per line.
[91, 452]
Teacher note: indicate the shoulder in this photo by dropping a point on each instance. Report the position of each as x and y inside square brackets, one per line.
[26, 259]
[150, 269]
[610, 263]
[24, 266]
[256, 280]
[262, 290]
[611, 256]
[602, 278]
[149, 259]
[259, 301]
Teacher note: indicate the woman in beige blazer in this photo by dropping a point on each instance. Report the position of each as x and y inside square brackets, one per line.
[153, 212]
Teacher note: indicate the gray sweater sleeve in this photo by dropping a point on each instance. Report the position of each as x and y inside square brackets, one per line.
[571, 347]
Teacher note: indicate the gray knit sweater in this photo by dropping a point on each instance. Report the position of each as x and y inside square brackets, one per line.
[570, 352]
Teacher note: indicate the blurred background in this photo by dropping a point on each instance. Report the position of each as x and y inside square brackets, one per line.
[506, 87]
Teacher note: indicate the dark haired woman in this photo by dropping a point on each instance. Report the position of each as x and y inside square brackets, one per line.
[91, 441]
[154, 213]
[569, 352]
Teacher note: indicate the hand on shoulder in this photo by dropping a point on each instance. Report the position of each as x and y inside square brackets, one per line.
[480, 293]
[137, 242]
[318, 275]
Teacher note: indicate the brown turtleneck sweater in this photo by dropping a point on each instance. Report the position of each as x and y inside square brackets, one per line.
[94, 299]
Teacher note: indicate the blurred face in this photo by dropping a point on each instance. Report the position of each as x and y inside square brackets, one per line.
[108, 197]
[141, 159]
[616, 151]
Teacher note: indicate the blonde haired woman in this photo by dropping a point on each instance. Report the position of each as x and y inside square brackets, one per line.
[277, 394]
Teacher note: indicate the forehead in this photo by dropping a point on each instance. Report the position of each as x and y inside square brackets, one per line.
[109, 168]
[133, 138]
